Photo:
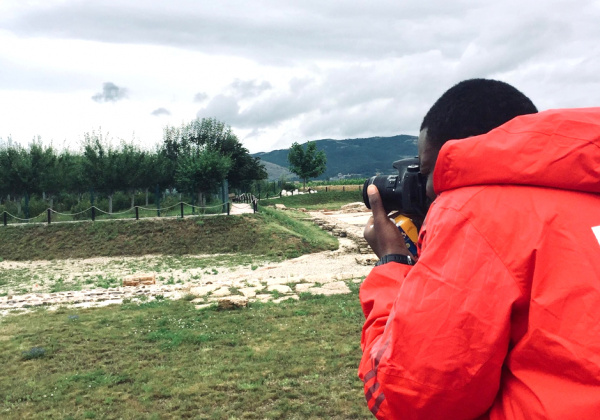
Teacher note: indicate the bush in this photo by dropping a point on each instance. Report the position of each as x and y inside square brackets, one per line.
[34, 353]
[9, 207]
[288, 186]
[79, 213]
[121, 201]
[37, 206]
[63, 202]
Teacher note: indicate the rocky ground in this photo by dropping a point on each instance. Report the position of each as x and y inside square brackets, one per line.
[325, 273]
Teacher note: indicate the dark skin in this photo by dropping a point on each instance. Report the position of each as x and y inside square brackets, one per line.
[381, 232]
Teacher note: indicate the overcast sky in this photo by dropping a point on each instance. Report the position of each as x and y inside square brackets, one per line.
[278, 71]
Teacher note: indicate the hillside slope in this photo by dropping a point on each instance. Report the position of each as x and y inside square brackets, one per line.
[360, 157]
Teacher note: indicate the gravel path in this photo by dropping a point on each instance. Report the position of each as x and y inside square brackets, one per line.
[326, 273]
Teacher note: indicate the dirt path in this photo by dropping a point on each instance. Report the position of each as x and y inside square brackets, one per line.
[322, 273]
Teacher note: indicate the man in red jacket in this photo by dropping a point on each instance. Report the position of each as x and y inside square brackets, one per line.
[500, 316]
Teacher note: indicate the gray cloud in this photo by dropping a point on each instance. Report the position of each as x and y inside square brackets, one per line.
[351, 101]
[249, 88]
[110, 93]
[272, 31]
[200, 97]
[292, 31]
[160, 111]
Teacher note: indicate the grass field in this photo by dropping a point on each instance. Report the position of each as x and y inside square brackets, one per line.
[167, 360]
[331, 200]
[269, 233]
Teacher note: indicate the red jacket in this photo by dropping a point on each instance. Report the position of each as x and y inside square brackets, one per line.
[500, 317]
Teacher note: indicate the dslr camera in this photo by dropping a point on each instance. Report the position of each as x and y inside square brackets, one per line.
[404, 192]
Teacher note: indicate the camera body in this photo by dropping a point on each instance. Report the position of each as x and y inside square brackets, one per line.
[404, 193]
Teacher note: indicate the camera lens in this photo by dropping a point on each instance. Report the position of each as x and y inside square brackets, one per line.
[389, 190]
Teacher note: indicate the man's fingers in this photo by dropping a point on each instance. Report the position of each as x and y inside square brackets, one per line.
[375, 202]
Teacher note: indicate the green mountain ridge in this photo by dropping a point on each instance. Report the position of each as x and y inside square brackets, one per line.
[362, 157]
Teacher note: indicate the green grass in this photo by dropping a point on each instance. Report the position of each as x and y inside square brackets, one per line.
[166, 360]
[250, 234]
[331, 200]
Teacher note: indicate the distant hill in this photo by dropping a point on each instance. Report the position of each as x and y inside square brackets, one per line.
[276, 171]
[358, 157]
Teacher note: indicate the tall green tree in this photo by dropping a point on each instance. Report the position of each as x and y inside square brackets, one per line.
[30, 170]
[10, 164]
[156, 168]
[50, 181]
[307, 162]
[131, 166]
[102, 166]
[211, 134]
[202, 172]
[5, 172]
[71, 173]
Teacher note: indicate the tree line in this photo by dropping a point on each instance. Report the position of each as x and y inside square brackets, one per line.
[194, 159]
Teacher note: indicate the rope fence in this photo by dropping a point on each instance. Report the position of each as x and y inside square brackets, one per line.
[179, 210]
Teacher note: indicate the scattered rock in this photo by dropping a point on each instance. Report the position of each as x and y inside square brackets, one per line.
[337, 288]
[232, 302]
[202, 290]
[281, 288]
[249, 292]
[263, 297]
[223, 291]
[368, 260]
[304, 287]
[284, 298]
[137, 279]
[279, 280]
[358, 206]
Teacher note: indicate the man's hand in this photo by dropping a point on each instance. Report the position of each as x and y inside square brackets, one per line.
[381, 232]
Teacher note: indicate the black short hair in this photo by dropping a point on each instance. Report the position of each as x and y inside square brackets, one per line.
[473, 107]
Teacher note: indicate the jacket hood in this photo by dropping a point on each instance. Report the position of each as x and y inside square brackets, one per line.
[556, 148]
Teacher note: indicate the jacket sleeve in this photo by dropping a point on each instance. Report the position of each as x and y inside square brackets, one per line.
[436, 334]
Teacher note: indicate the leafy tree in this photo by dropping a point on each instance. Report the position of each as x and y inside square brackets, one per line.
[45, 165]
[71, 173]
[131, 166]
[156, 170]
[245, 169]
[29, 171]
[9, 164]
[211, 134]
[5, 172]
[102, 166]
[202, 172]
[307, 163]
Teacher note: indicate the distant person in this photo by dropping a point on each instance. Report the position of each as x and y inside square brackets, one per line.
[499, 318]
